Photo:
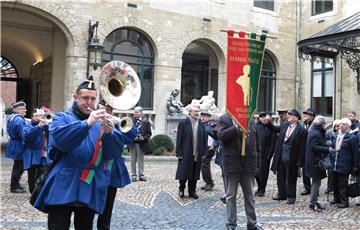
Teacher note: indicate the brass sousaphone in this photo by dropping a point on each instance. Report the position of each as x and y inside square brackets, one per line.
[120, 87]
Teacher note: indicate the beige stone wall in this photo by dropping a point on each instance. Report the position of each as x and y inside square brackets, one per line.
[170, 28]
[345, 93]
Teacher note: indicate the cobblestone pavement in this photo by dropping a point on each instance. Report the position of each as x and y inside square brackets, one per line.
[155, 205]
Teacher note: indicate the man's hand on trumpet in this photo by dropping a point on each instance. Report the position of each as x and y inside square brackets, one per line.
[101, 115]
[38, 119]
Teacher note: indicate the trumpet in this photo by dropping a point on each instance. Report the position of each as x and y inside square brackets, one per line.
[125, 123]
[47, 116]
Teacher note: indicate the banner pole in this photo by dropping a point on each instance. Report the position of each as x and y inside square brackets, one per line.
[248, 33]
[243, 145]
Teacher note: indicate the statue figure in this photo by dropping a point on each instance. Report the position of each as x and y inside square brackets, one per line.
[206, 103]
[244, 82]
[172, 105]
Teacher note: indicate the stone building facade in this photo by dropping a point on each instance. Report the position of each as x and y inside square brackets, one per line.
[47, 42]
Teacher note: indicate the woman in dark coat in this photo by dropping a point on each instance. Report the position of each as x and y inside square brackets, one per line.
[316, 149]
[344, 161]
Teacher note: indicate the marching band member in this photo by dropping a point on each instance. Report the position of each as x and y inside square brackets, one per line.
[35, 138]
[78, 182]
[15, 148]
[119, 176]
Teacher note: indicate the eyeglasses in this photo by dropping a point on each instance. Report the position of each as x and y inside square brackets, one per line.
[87, 98]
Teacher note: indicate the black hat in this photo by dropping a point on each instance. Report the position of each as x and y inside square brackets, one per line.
[263, 114]
[294, 112]
[18, 104]
[310, 111]
[87, 84]
[205, 113]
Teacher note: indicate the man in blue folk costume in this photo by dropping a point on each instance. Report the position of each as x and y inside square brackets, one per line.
[35, 139]
[15, 148]
[78, 182]
[119, 173]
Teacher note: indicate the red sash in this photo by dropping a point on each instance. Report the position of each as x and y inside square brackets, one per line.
[88, 174]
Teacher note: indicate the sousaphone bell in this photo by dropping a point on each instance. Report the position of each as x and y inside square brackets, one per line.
[120, 87]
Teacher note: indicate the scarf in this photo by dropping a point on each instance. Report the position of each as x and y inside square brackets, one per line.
[75, 109]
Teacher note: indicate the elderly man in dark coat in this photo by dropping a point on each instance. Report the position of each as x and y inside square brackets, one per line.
[239, 169]
[316, 149]
[191, 146]
[287, 157]
[267, 141]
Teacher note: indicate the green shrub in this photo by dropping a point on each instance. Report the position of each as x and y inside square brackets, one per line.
[160, 143]
[8, 111]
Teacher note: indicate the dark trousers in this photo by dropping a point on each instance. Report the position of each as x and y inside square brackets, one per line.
[191, 182]
[306, 181]
[286, 180]
[59, 217]
[262, 177]
[17, 171]
[340, 187]
[33, 174]
[206, 168]
[330, 183]
[104, 220]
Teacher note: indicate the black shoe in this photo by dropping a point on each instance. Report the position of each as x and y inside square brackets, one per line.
[358, 204]
[315, 207]
[209, 187]
[223, 199]
[342, 205]
[142, 178]
[305, 192]
[256, 227]
[334, 202]
[203, 187]
[320, 206]
[278, 198]
[133, 178]
[290, 201]
[17, 190]
[230, 227]
[193, 195]
[181, 194]
[259, 193]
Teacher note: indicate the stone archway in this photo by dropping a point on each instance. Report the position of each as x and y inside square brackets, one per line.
[39, 44]
[202, 63]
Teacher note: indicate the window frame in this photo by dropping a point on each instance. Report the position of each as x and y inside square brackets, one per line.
[269, 77]
[322, 10]
[141, 65]
[323, 70]
[262, 4]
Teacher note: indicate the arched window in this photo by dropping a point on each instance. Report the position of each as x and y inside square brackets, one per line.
[133, 47]
[9, 82]
[8, 70]
[267, 89]
[199, 72]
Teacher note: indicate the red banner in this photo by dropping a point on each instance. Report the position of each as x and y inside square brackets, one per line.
[244, 62]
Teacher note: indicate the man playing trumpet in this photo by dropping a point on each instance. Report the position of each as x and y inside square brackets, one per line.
[35, 139]
[78, 182]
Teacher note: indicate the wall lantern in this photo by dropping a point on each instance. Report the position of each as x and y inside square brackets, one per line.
[95, 49]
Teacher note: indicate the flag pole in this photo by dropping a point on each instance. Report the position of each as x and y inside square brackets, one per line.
[248, 33]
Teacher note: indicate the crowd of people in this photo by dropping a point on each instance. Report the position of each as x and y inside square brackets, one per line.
[79, 158]
[290, 149]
